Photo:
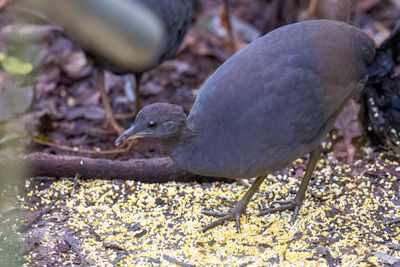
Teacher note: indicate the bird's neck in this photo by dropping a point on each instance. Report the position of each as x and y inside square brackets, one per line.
[179, 141]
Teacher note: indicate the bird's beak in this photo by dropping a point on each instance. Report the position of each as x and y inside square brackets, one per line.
[130, 134]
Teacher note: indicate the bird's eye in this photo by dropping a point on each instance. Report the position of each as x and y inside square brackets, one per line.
[151, 124]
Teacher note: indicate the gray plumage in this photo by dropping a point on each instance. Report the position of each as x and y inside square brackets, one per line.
[269, 104]
[275, 100]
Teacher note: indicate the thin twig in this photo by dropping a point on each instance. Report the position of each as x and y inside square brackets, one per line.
[175, 261]
[74, 244]
[396, 220]
[328, 255]
[77, 150]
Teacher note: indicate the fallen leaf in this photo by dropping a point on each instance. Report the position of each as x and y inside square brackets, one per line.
[76, 65]
[3, 4]
[387, 258]
[348, 127]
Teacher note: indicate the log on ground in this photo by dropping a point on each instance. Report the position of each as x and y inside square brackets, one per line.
[156, 170]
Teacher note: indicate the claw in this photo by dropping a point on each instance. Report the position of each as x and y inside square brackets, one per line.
[236, 211]
[285, 205]
[215, 223]
[283, 202]
[233, 215]
[238, 223]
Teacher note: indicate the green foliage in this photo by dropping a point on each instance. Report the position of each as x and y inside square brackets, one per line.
[13, 65]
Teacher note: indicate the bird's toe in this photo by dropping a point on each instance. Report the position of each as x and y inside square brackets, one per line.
[234, 214]
[284, 205]
[214, 213]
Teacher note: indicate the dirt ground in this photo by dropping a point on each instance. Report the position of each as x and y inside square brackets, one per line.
[350, 217]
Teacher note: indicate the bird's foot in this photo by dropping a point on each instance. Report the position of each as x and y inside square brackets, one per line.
[292, 205]
[232, 215]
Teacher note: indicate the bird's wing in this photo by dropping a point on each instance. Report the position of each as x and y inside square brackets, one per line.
[274, 99]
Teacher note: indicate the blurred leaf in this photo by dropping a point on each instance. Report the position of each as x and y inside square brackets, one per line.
[3, 4]
[9, 138]
[13, 65]
[2, 56]
[14, 99]
[23, 33]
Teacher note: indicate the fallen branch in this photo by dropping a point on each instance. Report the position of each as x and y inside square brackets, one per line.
[157, 170]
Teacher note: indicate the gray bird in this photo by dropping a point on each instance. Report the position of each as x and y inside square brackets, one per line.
[124, 36]
[272, 102]
[130, 36]
[176, 15]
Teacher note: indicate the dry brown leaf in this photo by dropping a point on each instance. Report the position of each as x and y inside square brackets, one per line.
[348, 127]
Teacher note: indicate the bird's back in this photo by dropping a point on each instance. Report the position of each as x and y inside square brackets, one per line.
[274, 100]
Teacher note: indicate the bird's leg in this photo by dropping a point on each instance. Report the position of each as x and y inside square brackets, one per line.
[128, 88]
[234, 213]
[226, 21]
[138, 78]
[296, 203]
[106, 103]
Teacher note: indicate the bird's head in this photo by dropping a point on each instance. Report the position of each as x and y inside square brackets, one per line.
[160, 121]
